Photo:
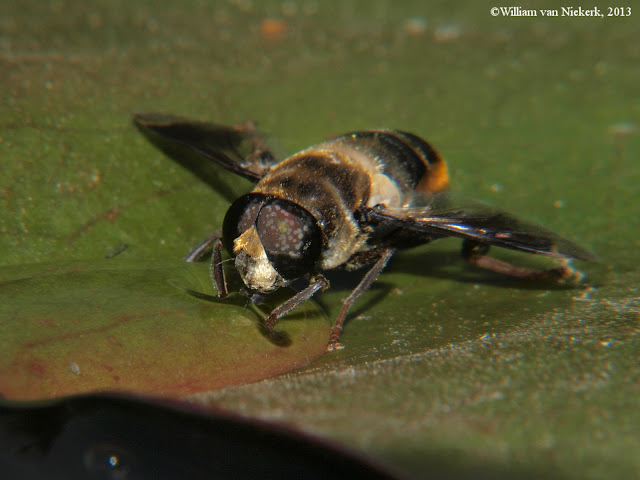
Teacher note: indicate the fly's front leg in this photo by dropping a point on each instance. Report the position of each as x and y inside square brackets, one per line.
[202, 249]
[217, 273]
[318, 283]
[475, 253]
[367, 280]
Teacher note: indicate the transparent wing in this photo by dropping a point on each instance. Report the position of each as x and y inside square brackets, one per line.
[445, 214]
[237, 148]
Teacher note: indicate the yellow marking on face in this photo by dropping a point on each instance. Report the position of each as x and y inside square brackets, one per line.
[250, 242]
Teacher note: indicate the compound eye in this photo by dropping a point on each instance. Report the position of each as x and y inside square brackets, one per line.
[290, 237]
[242, 214]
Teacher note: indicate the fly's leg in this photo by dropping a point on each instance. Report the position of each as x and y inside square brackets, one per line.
[367, 280]
[261, 156]
[217, 274]
[202, 249]
[257, 143]
[475, 253]
[318, 283]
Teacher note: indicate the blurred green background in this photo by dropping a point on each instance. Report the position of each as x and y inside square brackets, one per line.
[447, 371]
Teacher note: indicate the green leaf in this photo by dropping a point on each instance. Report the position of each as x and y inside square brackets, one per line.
[158, 329]
[446, 372]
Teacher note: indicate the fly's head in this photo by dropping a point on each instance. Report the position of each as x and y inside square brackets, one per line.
[274, 241]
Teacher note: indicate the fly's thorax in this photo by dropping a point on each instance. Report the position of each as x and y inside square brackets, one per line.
[274, 240]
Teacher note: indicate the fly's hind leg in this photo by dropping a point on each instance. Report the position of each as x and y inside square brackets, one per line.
[475, 253]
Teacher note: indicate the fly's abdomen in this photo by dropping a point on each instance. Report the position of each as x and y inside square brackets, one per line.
[407, 160]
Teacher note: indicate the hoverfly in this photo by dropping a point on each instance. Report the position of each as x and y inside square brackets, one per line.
[349, 202]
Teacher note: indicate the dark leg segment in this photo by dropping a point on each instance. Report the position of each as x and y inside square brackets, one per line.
[261, 156]
[367, 280]
[475, 253]
[217, 273]
[318, 283]
[203, 248]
